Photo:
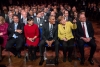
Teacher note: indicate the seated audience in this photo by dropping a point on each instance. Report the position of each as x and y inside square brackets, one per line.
[85, 34]
[31, 32]
[66, 36]
[16, 37]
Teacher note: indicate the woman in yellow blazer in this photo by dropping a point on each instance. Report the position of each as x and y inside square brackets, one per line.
[66, 37]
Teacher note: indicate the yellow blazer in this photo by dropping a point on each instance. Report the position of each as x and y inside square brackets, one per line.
[67, 32]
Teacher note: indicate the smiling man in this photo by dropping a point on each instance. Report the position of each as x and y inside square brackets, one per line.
[49, 36]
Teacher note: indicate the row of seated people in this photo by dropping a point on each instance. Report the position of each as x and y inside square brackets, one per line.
[52, 33]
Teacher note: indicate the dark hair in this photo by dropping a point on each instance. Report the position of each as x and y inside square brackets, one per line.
[65, 11]
[51, 16]
[29, 19]
[81, 11]
[15, 16]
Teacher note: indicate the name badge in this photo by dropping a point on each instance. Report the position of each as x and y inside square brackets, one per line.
[40, 24]
[45, 20]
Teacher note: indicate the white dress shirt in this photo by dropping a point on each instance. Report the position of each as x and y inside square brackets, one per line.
[38, 20]
[86, 31]
[50, 26]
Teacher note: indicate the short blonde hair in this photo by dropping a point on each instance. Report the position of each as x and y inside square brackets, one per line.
[2, 20]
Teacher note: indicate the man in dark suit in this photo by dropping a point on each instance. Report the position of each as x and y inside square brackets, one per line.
[5, 13]
[66, 16]
[17, 12]
[31, 14]
[44, 17]
[38, 20]
[23, 18]
[15, 31]
[85, 34]
[9, 17]
[49, 36]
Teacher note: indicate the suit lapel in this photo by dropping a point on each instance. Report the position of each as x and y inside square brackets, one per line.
[80, 26]
[47, 26]
[18, 26]
[13, 26]
[53, 28]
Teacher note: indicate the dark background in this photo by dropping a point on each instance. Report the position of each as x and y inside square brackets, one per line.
[31, 2]
[15, 2]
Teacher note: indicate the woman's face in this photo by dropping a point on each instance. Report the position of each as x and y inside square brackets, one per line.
[30, 22]
[63, 21]
[0, 22]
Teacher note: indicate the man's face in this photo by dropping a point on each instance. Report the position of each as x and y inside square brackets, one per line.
[10, 15]
[82, 18]
[31, 12]
[42, 14]
[53, 13]
[52, 20]
[39, 15]
[15, 19]
[66, 14]
[24, 14]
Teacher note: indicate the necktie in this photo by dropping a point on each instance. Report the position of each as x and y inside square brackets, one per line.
[51, 34]
[83, 29]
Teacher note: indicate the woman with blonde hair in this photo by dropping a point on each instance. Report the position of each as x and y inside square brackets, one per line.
[66, 37]
[3, 33]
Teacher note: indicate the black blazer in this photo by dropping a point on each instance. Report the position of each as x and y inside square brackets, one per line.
[11, 30]
[79, 30]
[8, 21]
[46, 32]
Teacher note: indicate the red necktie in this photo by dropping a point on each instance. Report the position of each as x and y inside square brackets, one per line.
[83, 29]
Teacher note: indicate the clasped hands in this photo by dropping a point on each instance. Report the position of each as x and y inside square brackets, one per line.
[49, 42]
[18, 31]
[86, 39]
[31, 39]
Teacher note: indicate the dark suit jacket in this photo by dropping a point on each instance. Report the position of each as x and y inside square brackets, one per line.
[41, 22]
[19, 15]
[3, 15]
[79, 30]
[7, 20]
[46, 32]
[11, 30]
[45, 19]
